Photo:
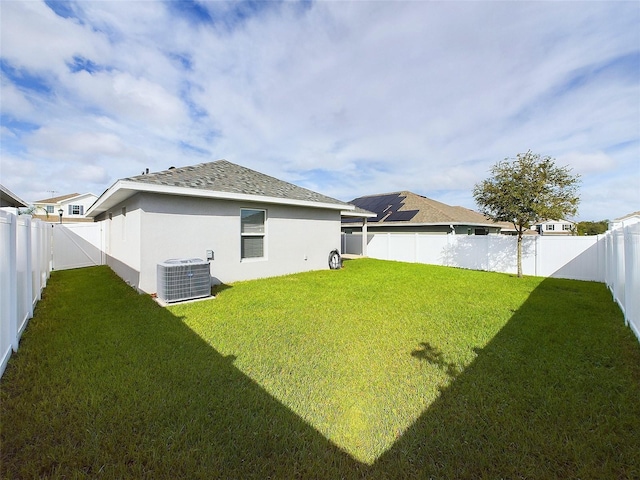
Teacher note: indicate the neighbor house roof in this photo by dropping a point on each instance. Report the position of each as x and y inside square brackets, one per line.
[625, 217]
[10, 199]
[220, 179]
[59, 199]
[407, 208]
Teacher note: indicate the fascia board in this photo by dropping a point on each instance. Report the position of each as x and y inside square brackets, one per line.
[122, 190]
[352, 213]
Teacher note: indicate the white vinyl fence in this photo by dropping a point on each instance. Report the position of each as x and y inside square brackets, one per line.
[77, 245]
[612, 258]
[622, 271]
[29, 250]
[579, 258]
[25, 254]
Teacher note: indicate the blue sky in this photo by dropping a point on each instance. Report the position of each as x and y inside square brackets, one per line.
[345, 98]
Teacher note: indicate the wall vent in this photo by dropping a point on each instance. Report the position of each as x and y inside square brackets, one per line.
[183, 279]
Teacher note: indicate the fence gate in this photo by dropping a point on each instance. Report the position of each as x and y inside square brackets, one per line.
[77, 245]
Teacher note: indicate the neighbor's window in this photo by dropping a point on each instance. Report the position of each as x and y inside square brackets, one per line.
[50, 208]
[76, 209]
[566, 227]
[550, 227]
[252, 233]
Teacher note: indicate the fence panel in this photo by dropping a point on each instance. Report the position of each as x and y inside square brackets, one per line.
[402, 247]
[352, 243]
[430, 249]
[632, 277]
[8, 300]
[24, 270]
[570, 257]
[78, 245]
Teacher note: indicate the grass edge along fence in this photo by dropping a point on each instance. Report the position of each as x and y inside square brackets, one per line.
[25, 251]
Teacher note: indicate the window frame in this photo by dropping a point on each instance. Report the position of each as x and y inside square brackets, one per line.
[72, 209]
[262, 234]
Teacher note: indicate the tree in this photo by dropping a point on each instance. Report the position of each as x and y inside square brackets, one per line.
[592, 228]
[32, 210]
[526, 190]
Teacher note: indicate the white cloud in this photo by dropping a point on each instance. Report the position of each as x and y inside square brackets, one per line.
[35, 38]
[14, 102]
[380, 96]
[587, 163]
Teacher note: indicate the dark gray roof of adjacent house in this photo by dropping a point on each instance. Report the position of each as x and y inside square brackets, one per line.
[224, 176]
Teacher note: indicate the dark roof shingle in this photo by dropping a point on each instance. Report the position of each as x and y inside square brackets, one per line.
[224, 176]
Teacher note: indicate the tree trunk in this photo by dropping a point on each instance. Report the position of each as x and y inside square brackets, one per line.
[519, 254]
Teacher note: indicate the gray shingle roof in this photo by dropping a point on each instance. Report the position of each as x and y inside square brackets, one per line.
[224, 176]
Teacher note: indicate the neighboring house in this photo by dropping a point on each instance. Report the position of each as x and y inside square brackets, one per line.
[254, 225]
[629, 219]
[10, 199]
[407, 212]
[555, 227]
[72, 207]
[508, 228]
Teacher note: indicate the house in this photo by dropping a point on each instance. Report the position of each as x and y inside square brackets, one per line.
[69, 208]
[508, 228]
[10, 199]
[251, 224]
[407, 212]
[625, 220]
[555, 227]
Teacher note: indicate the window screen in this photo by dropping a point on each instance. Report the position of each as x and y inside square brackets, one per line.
[252, 233]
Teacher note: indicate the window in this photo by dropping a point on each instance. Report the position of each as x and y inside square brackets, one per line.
[76, 210]
[50, 209]
[252, 233]
[551, 227]
[566, 227]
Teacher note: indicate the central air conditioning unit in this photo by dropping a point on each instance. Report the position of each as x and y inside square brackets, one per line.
[183, 279]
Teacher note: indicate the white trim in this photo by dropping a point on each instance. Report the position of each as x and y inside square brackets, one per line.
[262, 235]
[126, 189]
[354, 214]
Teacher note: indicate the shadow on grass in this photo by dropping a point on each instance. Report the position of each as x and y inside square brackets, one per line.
[219, 288]
[134, 393]
[550, 396]
[434, 356]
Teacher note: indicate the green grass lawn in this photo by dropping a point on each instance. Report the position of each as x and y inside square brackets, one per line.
[378, 370]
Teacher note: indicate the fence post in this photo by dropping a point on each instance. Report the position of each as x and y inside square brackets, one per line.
[13, 282]
[29, 265]
[632, 275]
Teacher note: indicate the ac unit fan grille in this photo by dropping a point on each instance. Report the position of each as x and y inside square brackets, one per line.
[180, 280]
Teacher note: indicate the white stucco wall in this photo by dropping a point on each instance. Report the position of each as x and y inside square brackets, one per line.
[160, 227]
[123, 244]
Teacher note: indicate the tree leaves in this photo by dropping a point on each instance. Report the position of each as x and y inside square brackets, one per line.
[527, 190]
